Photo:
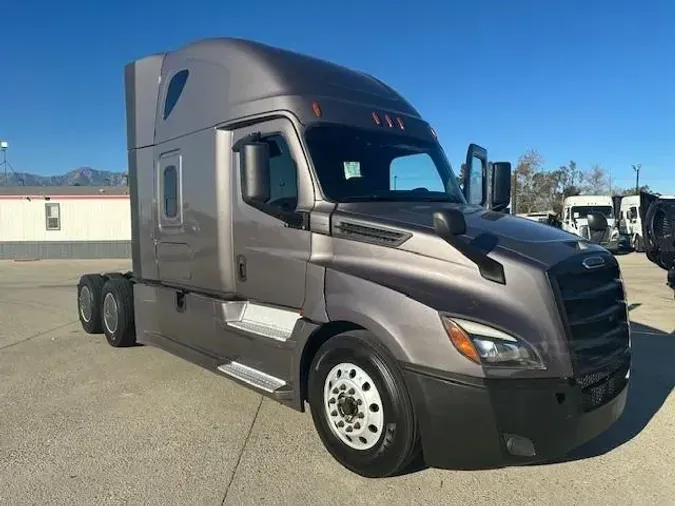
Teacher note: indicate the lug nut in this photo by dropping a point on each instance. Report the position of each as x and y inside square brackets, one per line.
[359, 402]
[357, 425]
[361, 415]
[333, 413]
[342, 387]
[336, 391]
[349, 429]
[341, 423]
[351, 391]
[331, 400]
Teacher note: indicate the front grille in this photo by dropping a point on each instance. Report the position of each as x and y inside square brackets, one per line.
[599, 388]
[593, 309]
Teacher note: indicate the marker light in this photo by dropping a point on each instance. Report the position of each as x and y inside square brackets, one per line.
[433, 132]
[317, 109]
[376, 119]
[461, 340]
[388, 120]
[400, 123]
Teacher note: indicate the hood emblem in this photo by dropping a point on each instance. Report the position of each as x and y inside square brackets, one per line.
[593, 262]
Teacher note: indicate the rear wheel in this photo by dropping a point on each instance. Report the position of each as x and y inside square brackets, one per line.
[117, 310]
[89, 291]
[637, 243]
[361, 407]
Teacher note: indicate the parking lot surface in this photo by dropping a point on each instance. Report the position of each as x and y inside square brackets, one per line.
[82, 423]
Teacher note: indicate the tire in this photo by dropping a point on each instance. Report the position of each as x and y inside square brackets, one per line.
[637, 244]
[89, 290]
[390, 435]
[117, 312]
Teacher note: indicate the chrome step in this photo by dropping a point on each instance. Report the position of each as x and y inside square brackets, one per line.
[253, 377]
[265, 321]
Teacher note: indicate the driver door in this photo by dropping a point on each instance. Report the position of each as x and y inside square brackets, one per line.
[272, 243]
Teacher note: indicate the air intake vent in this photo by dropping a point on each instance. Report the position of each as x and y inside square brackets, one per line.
[369, 234]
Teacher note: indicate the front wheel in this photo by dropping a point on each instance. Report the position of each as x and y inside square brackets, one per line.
[361, 407]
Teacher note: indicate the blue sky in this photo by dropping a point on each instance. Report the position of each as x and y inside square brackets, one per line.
[592, 81]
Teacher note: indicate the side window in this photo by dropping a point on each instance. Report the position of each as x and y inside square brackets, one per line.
[174, 90]
[170, 191]
[414, 171]
[53, 216]
[283, 175]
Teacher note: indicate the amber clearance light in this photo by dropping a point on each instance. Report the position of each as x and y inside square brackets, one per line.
[460, 340]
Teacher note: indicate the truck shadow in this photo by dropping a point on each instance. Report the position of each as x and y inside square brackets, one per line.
[652, 381]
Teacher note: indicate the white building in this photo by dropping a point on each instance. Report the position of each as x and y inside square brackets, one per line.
[64, 222]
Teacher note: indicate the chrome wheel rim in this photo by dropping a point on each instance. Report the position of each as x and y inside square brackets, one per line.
[110, 312]
[353, 406]
[86, 303]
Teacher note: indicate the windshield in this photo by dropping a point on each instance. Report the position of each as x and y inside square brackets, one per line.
[583, 211]
[355, 165]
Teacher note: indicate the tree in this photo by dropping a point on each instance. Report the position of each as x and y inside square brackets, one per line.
[596, 181]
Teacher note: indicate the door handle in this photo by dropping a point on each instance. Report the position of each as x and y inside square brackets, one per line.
[241, 268]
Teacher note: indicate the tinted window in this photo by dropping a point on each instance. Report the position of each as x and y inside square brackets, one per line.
[416, 171]
[53, 216]
[170, 191]
[283, 175]
[174, 90]
[361, 165]
[583, 211]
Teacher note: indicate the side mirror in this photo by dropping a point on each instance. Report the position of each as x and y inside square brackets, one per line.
[255, 172]
[449, 223]
[475, 175]
[500, 195]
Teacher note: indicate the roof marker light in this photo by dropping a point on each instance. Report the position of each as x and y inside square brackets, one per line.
[400, 123]
[388, 120]
[433, 132]
[317, 109]
[376, 118]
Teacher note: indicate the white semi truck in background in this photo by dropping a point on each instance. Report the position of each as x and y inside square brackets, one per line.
[592, 217]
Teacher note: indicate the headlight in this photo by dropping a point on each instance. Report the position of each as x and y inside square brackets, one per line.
[489, 346]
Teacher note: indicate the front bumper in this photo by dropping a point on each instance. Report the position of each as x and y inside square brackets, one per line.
[465, 423]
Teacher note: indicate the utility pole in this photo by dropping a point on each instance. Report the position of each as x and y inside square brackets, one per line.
[3, 147]
[637, 168]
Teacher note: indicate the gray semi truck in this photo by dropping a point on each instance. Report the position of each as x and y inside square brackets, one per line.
[272, 244]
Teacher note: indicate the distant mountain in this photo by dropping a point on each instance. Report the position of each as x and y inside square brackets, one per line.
[82, 176]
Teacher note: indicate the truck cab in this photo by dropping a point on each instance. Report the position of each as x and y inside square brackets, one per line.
[298, 229]
[592, 217]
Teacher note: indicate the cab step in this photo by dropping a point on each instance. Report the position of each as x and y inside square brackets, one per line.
[266, 321]
[253, 377]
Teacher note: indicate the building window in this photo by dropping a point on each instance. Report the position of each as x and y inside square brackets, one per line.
[174, 90]
[53, 215]
[170, 191]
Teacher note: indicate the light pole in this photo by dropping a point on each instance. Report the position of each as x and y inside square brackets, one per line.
[637, 168]
[3, 147]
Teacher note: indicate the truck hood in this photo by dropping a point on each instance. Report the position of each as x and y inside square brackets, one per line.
[496, 231]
